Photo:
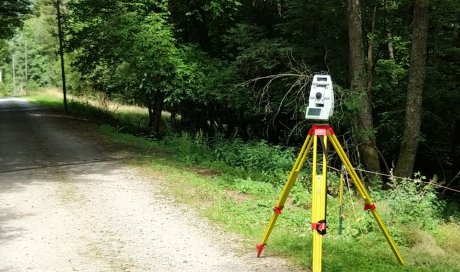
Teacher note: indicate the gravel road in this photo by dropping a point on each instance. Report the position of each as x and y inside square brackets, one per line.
[68, 205]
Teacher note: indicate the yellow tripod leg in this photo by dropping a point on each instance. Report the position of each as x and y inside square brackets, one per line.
[318, 216]
[341, 198]
[284, 194]
[369, 205]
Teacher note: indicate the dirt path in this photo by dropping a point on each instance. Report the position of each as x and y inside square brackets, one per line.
[67, 205]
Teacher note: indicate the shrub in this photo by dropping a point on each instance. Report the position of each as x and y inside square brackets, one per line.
[260, 160]
[413, 202]
[189, 148]
[4, 89]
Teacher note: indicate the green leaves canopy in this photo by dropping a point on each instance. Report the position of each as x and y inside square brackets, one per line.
[12, 13]
[196, 54]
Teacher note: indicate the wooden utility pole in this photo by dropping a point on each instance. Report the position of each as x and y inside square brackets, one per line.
[14, 76]
[61, 51]
[26, 64]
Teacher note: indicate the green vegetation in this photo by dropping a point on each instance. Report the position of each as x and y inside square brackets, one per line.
[45, 98]
[12, 14]
[240, 198]
[236, 184]
[233, 77]
[238, 68]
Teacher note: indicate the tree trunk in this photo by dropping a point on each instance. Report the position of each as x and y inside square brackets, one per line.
[413, 117]
[158, 104]
[363, 124]
[370, 56]
[391, 51]
[155, 107]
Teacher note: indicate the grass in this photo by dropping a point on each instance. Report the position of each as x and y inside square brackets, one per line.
[241, 204]
[245, 209]
[244, 206]
[47, 98]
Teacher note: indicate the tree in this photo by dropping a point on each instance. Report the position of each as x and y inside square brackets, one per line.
[154, 59]
[12, 13]
[363, 124]
[413, 114]
[190, 57]
[34, 46]
[441, 90]
[127, 48]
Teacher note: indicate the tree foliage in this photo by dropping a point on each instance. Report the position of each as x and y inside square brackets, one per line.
[12, 13]
[242, 68]
[33, 50]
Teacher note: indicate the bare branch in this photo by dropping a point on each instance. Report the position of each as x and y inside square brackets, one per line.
[271, 103]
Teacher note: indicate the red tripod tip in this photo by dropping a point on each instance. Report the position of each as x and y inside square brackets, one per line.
[260, 247]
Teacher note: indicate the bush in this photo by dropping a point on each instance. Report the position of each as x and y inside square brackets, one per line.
[256, 160]
[260, 160]
[413, 202]
[189, 148]
[4, 90]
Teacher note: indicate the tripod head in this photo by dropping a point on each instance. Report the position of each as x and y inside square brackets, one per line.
[321, 100]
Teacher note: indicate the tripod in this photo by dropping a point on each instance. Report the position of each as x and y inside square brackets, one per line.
[323, 133]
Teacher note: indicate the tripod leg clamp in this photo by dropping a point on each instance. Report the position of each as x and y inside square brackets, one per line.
[369, 206]
[278, 210]
[320, 227]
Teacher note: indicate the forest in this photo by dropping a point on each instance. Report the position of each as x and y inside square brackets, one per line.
[242, 69]
[228, 81]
